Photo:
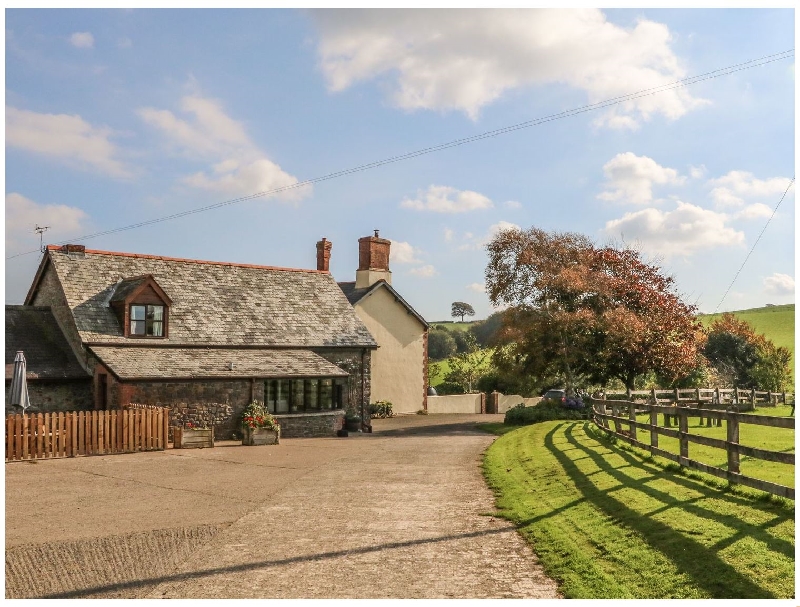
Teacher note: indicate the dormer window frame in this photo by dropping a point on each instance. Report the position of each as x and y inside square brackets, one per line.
[147, 294]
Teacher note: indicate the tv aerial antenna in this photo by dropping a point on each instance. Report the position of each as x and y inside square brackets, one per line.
[40, 231]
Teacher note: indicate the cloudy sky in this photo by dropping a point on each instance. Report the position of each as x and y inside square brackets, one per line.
[116, 117]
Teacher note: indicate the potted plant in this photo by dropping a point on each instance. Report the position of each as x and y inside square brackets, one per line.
[352, 421]
[193, 436]
[259, 427]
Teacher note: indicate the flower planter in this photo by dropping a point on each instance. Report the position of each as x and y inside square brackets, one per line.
[261, 436]
[193, 438]
[352, 425]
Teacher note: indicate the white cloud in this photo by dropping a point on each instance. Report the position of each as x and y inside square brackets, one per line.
[697, 172]
[23, 215]
[448, 235]
[736, 187]
[684, 231]
[403, 252]
[630, 178]
[471, 242]
[512, 204]
[444, 199]
[424, 271]
[466, 59]
[779, 284]
[82, 40]
[69, 139]
[478, 287]
[754, 211]
[239, 168]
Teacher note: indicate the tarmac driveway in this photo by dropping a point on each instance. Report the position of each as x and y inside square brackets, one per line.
[400, 513]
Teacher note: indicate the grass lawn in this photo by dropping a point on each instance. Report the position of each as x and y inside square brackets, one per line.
[454, 325]
[607, 523]
[762, 437]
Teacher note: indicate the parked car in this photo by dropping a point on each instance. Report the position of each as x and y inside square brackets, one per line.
[559, 395]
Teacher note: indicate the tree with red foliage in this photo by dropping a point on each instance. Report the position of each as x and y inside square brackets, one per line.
[601, 313]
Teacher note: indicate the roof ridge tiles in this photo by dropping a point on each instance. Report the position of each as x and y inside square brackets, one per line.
[58, 249]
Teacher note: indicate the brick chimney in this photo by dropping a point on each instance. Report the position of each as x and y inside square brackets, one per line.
[324, 255]
[373, 261]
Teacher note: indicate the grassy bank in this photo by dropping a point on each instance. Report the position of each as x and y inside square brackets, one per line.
[609, 524]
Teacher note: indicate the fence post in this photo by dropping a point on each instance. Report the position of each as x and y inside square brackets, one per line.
[753, 397]
[677, 396]
[632, 417]
[732, 421]
[653, 426]
[615, 413]
[736, 396]
[683, 423]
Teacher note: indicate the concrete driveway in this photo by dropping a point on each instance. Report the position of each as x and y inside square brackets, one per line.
[400, 513]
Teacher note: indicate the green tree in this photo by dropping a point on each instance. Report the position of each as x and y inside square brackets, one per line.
[462, 309]
[466, 368]
[441, 344]
[585, 312]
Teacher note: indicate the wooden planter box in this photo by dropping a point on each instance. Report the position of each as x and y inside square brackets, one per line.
[261, 436]
[193, 438]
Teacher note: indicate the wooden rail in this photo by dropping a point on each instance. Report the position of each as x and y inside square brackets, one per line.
[719, 396]
[623, 413]
[72, 433]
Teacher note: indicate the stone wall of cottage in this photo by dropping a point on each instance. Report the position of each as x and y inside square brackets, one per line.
[221, 402]
[66, 395]
[352, 360]
[51, 294]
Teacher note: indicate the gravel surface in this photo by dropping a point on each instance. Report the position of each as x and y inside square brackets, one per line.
[400, 513]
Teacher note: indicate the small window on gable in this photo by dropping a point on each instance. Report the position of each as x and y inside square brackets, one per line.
[147, 320]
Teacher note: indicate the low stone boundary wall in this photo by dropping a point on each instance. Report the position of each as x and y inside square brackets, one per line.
[304, 425]
[457, 403]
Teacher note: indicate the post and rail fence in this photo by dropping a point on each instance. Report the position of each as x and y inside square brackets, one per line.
[73, 433]
[622, 414]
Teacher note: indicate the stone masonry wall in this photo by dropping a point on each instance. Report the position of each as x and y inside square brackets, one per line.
[75, 395]
[51, 294]
[349, 360]
[311, 424]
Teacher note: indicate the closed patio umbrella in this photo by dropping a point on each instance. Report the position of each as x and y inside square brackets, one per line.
[18, 394]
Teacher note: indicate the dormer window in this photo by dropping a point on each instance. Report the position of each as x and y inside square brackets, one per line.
[147, 320]
[142, 307]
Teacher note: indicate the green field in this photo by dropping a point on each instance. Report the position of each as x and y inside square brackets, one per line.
[454, 326]
[609, 523]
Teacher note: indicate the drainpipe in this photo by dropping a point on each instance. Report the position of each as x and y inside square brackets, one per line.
[363, 383]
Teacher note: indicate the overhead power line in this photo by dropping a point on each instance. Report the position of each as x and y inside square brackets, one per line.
[451, 144]
[775, 210]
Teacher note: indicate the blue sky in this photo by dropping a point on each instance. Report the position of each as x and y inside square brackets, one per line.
[119, 116]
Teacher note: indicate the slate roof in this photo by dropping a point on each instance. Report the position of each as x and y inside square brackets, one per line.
[173, 363]
[354, 295]
[125, 287]
[213, 303]
[34, 330]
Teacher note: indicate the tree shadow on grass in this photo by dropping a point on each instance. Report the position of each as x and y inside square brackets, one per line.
[703, 564]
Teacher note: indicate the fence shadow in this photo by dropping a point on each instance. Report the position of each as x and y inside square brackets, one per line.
[702, 563]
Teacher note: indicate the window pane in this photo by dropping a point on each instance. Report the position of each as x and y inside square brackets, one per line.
[137, 312]
[270, 388]
[312, 394]
[156, 311]
[155, 328]
[282, 396]
[340, 393]
[137, 327]
[326, 393]
[298, 395]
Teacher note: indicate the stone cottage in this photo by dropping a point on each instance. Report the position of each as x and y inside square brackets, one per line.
[205, 338]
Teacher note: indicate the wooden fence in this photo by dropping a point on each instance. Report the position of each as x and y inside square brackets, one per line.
[624, 413]
[67, 434]
[743, 399]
